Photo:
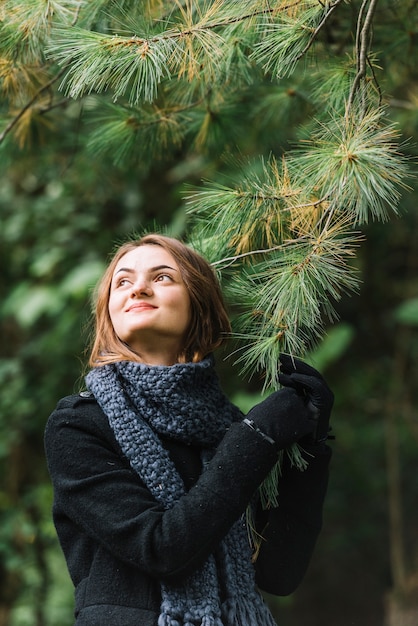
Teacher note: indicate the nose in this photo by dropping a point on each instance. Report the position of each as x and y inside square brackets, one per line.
[141, 287]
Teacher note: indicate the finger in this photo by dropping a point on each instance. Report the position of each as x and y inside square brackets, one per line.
[313, 385]
[290, 365]
[288, 381]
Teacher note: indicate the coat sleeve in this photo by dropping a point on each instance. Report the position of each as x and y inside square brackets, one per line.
[95, 488]
[289, 532]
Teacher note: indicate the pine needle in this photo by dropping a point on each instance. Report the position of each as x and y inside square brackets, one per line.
[286, 39]
[133, 135]
[357, 162]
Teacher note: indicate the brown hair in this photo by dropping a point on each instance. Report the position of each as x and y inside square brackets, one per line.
[209, 320]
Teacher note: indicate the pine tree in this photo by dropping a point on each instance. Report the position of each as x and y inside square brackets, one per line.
[204, 77]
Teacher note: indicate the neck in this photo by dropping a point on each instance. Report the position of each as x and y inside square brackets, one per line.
[155, 355]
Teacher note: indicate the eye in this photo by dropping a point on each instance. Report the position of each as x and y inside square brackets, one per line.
[122, 282]
[162, 278]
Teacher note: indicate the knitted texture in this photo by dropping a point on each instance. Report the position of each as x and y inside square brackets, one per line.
[183, 402]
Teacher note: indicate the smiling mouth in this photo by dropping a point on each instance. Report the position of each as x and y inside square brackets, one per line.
[141, 307]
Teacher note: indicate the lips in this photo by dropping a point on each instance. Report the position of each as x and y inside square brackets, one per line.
[141, 306]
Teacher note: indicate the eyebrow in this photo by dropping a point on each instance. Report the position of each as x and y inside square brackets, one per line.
[150, 271]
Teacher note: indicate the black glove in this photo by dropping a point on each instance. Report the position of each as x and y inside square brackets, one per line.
[283, 418]
[309, 383]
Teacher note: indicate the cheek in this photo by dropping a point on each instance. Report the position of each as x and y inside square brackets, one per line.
[183, 306]
[113, 309]
[187, 314]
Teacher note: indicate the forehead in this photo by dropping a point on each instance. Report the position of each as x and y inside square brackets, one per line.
[146, 257]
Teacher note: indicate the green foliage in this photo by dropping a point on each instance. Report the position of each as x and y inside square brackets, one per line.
[407, 312]
[289, 293]
[292, 251]
[334, 345]
[135, 135]
[285, 41]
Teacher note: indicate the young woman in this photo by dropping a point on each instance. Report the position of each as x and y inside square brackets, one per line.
[153, 468]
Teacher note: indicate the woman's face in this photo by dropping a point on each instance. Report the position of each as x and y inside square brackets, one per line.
[149, 305]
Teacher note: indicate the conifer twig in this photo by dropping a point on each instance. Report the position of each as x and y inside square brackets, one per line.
[232, 259]
[28, 105]
[40, 91]
[362, 46]
[317, 29]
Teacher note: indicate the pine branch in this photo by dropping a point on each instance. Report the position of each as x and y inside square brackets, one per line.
[98, 62]
[231, 260]
[33, 20]
[362, 49]
[253, 215]
[136, 135]
[357, 162]
[191, 47]
[287, 39]
[287, 284]
[19, 81]
[16, 119]
[285, 295]
[27, 29]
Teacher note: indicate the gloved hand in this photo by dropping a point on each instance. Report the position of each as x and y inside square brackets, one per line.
[309, 383]
[283, 418]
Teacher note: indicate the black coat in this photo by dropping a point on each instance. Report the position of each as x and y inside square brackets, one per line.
[119, 542]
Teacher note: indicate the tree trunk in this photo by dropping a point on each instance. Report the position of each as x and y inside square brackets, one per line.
[4, 615]
[402, 610]
[401, 603]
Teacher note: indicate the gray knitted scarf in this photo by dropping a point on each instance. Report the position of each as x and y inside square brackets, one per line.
[183, 402]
